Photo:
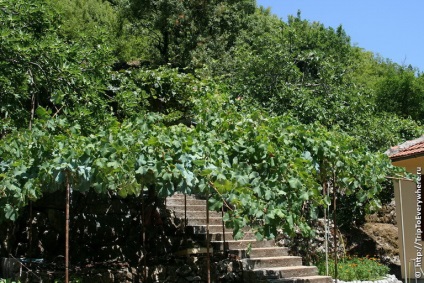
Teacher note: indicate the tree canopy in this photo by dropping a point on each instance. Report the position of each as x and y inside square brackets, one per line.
[217, 98]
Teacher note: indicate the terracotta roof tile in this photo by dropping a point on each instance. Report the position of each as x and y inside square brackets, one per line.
[407, 149]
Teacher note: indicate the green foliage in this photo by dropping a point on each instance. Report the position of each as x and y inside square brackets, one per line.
[266, 129]
[400, 92]
[306, 70]
[179, 28]
[313, 73]
[369, 68]
[300, 58]
[39, 70]
[270, 168]
[163, 90]
[383, 130]
[86, 20]
[354, 268]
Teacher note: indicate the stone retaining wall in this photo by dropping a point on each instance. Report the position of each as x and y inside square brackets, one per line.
[106, 243]
[101, 228]
[181, 270]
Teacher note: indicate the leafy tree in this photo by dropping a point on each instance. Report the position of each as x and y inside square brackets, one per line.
[304, 68]
[94, 21]
[44, 74]
[400, 92]
[272, 124]
[368, 68]
[179, 28]
[162, 90]
[381, 131]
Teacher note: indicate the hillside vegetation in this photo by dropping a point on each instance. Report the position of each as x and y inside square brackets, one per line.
[207, 97]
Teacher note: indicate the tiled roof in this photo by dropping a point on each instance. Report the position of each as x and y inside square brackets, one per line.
[407, 149]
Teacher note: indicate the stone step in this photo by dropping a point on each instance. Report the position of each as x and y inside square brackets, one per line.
[229, 236]
[262, 261]
[197, 214]
[240, 244]
[180, 201]
[213, 229]
[267, 262]
[202, 221]
[260, 252]
[282, 272]
[192, 207]
[304, 279]
[179, 196]
[202, 229]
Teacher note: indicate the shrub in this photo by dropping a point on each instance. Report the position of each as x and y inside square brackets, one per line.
[355, 268]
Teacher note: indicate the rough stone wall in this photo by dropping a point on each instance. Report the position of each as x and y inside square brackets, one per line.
[386, 215]
[194, 269]
[101, 228]
[311, 249]
[106, 243]
[377, 237]
[189, 269]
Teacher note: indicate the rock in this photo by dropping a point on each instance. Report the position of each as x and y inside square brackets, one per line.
[184, 270]
[158, 273]
[129, 276]
[387, 214]
[104, 277]
[194, 279]
[385, 237]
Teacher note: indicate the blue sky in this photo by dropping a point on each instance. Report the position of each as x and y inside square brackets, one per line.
[392, 28]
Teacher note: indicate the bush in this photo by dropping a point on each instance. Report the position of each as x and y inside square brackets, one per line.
[354, 268]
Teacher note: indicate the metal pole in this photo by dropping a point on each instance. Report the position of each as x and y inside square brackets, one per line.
[403, 231]
[335, 226]
[415, 269]
[208, 261]
[223, 230]
[30, 254]
[143, 234]
[67, 228]
[185, 211]
[326, 231]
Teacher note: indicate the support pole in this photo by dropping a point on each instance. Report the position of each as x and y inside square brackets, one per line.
[30, 253]
[403, 232]
[143, 234]
[223, 231]
[185, 211]
[208, 260]
[326, 228]
[335, 226]
[68, 189]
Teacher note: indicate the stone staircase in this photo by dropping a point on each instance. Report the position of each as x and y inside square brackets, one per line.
[263, 262]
